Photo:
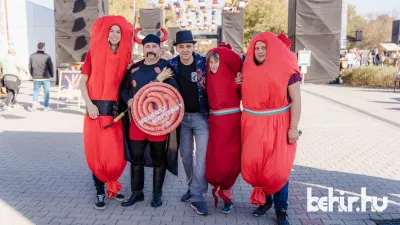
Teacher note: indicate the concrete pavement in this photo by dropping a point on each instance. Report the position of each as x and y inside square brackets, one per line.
[45, 179]
[382, 104]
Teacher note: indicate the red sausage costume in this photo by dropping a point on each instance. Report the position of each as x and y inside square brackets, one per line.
[223, 150]
[267, 157]
[104, 148]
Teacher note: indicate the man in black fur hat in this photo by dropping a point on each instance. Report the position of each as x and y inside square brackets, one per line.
[151, 69]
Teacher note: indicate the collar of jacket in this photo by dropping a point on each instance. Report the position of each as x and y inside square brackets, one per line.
[201, 83]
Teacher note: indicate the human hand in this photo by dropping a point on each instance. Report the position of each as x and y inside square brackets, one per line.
[130, 101]
[93, 111]
[293, 135]
[165, 74]
[166, 56]
[238, 79]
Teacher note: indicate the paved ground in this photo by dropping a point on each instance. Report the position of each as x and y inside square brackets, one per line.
[45, 180]
[379, 103]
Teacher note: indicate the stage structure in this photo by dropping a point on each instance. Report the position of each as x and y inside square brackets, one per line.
[233, 30]
[151, 20]
[316, 25]
[73, 22]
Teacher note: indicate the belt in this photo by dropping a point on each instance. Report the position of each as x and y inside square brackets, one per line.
[106, 108]
[226, 111]
[267, 112]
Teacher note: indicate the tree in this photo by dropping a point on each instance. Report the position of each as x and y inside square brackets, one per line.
[376, 29]
[354, 22]
[379, 30]
[265, 15]
[125, 8]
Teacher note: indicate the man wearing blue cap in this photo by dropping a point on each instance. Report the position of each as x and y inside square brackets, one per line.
[151, 69]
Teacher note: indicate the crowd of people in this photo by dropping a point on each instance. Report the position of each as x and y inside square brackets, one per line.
[40, 68]
[217, 140]
[356, 58]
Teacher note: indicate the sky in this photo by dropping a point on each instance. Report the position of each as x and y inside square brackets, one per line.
[45, 3]
[364, 7]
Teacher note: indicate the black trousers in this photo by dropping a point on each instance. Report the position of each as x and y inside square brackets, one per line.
[11, 97]
[99, 185]
[157, 151]
[159, 159]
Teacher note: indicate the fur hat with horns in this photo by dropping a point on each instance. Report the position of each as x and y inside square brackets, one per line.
[150, 38]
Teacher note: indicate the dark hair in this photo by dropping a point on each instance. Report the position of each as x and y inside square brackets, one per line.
[40, 45]
[212, 55]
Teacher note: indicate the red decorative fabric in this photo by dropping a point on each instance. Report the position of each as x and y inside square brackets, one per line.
[285, 40]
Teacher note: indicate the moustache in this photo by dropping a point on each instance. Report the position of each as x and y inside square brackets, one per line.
[151, 53]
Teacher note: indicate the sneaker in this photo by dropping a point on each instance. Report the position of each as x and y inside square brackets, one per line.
[33, 107]
[7, 107]
[119, 197]
[227, 208]
[100, 204]
[46, 109]
[199, 207]
[186, 197]
[262, 210]
[281, 217]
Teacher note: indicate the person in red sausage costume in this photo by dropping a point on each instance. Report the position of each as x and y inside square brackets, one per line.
[270, 118]
[223, 150]
[104, 67]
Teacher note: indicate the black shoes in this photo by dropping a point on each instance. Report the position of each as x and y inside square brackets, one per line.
[156, 201]
[281, 217]
[158, 182]
[137, 183]
[119, 197]
[262, 210]
[137, 196]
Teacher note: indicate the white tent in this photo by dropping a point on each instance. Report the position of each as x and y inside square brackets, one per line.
[389, 47]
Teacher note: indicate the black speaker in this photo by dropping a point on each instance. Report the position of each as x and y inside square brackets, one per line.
[233, 30]
[172, 36]
[359, 34]
[219, 33]
[396, 31]
[152, 18]
[316, 25]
